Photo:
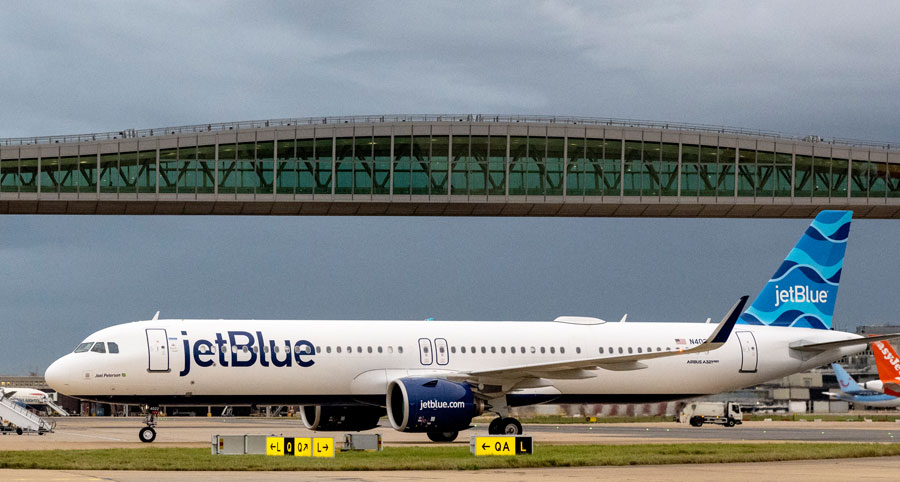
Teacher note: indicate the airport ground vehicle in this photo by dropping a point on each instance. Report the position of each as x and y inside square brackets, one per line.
[721, 413]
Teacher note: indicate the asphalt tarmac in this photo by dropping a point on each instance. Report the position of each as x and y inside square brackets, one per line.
[94, 433]
[108, 432]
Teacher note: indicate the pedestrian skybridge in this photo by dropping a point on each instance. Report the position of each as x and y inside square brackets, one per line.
[448, 165]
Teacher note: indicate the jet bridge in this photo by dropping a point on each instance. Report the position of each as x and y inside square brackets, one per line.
[22, 419]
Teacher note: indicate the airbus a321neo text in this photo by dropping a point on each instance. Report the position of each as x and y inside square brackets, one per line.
[435, 376]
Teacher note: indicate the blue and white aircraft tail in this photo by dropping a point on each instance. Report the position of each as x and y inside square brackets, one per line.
[856, 394]
[803, 290]
[847, 383]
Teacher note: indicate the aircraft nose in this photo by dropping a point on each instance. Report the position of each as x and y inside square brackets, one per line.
[56, 375]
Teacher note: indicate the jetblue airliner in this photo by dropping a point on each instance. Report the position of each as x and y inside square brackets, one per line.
[434, 376]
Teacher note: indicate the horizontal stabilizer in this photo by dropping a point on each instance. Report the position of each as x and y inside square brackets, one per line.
[840, 344]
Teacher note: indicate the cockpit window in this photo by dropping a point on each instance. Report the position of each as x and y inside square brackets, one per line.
[99, 347]
[113, 347]
[83, 347]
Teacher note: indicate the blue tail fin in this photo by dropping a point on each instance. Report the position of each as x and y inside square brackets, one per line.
[803, 290]
[847, 383]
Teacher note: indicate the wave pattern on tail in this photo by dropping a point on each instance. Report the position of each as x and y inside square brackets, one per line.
[803, 290]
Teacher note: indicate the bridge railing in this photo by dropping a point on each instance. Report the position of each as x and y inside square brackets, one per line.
[449, 118]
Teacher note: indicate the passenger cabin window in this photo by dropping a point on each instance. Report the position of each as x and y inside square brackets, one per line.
[113, 347]
[399, 349]
[99, 347]
[84, 347]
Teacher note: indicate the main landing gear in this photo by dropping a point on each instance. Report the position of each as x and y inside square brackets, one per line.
[148, 433]
[505, 426]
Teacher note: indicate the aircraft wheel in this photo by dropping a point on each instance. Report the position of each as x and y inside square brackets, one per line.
[442, 436]
[510, 426]
[147, 434]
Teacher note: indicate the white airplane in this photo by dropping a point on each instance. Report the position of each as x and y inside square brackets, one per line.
[435, 376]
[30, 397]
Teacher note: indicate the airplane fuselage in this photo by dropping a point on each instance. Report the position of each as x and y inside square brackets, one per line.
[199, 362]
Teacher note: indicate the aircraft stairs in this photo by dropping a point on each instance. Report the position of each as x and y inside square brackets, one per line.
[23, 419]
[56, 408]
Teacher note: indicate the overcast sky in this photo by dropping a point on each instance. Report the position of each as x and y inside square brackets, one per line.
[823, 68]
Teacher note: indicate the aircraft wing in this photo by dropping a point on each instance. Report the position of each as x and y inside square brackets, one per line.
[838, 344]
[576, 369]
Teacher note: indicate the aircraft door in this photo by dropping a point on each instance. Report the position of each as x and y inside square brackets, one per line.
[441, 351]
[749, 355]
[426, 357]
[157, 350]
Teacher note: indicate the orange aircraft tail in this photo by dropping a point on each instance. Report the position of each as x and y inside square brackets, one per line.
[888, 364]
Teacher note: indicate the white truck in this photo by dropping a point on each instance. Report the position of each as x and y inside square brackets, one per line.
[723, 413]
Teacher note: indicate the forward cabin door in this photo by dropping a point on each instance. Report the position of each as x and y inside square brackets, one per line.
[157, 350]
[749, 355]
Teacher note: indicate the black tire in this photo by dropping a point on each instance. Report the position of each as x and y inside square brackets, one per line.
[18, 430]
[697, 421]
[147, 434]
[442, 436]
[495, 427]
[510, 426]
[730, 423]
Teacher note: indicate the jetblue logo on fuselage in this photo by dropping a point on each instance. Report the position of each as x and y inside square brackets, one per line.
[800, 294]
[243, 349]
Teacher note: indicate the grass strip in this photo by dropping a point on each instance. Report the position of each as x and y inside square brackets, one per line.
[439, 458]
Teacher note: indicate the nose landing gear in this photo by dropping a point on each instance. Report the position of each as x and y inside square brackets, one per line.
[148, 433]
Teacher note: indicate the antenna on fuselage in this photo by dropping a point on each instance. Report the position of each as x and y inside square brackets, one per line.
[623, 318]
[155, 317]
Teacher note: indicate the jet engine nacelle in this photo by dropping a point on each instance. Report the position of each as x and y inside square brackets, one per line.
[334, 418]
[431, 405]
[876, 385]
